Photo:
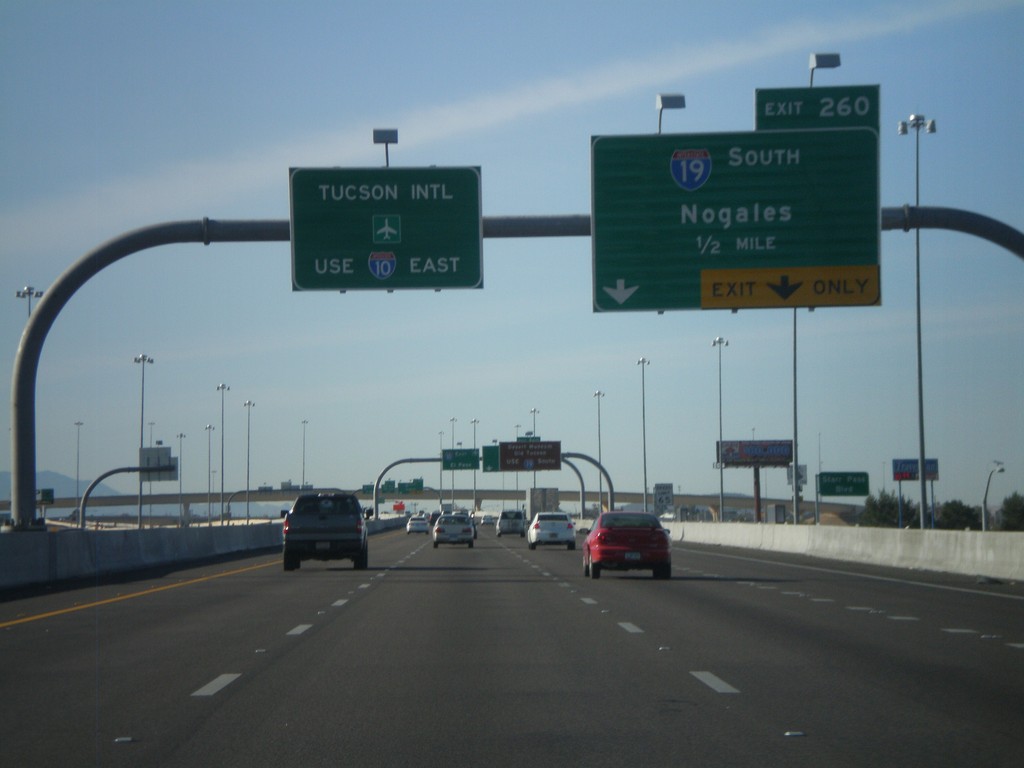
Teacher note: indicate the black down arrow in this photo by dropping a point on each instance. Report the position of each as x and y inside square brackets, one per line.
[784, 289]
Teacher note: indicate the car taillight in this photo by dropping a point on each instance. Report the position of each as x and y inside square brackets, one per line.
[536, 526]
[603, 537]
[286, 525]
[439, 529]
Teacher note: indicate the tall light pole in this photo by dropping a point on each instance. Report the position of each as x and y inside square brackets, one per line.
[518, 427]
[643, 362]
[599, 395]
[142, 360]
[719, 342]
[28, 292]
[917, 122]
[304, 423]
[474, 422]
[222, 388]
[209, 473]
[453, 420]
[534, 412]
[78, 455]
[248, 432]
[181, 463]
[440, 470]
[984, 504]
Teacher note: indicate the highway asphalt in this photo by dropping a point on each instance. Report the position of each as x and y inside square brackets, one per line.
[499, 656]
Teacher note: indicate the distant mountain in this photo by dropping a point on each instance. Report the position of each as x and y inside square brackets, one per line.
[63, 486]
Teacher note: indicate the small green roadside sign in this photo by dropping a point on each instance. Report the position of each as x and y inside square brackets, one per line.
[843, 484]
[386, 229]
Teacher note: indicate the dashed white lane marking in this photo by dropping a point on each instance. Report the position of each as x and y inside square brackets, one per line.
[959, 631]
[1018, 646]
[715, 683]
[588, 600]
[298, 629]
[216, 685]
[339, 603]
[902, 618]
[364, 586]
[631, 628]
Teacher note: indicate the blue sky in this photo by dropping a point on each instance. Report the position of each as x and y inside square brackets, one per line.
[117, 115]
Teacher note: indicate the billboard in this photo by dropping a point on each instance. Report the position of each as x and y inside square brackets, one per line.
[755, 453]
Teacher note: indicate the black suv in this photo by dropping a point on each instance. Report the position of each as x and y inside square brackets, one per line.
[325, 526]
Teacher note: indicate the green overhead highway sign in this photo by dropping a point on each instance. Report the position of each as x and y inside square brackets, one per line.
[726, 221]
[460, 458]
[848, 106]
[386, 229]
[843, 484]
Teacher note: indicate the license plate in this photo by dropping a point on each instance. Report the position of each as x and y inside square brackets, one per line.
[323, 546]
[552, 535]
[632, 555]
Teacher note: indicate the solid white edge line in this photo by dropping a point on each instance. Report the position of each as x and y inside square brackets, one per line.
[217, 684]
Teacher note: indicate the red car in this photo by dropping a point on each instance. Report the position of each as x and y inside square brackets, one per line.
[627, 541]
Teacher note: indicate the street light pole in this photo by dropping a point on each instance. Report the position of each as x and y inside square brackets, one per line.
[599, 395]
[643, 362]
[248, 432]
[474, 422]
[453, 420]
[222, 388]
[304, 423]
[78, 455]
[984, 504]
[720, 342]
[917, 122]
[209, 473]
[143, 360]
[181, 464]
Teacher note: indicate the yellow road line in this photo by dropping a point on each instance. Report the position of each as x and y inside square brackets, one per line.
[143, 593]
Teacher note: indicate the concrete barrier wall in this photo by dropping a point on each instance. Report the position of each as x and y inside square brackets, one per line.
[998, 555]
[40, 557]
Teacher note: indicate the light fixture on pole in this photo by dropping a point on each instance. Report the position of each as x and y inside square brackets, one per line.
[440, 469]
[248, 432]
[222, 388]
[28, 292]
[453, 420]
[719, 342]
[385, 136]
[142, 360]
[917, 122]
[643, 362]
[599, 395]
[822, 61]
[665, 101]
[984, 504]
[535, 436]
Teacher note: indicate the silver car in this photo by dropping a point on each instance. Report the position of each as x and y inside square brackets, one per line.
[511, 521]
[551, 528]
[453, 529]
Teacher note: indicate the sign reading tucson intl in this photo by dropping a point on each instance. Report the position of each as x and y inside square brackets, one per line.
[385, 229]
[786, 218]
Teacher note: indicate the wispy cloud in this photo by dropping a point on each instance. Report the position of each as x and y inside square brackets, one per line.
[170, 192]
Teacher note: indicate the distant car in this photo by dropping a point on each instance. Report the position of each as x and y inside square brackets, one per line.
[487, 520]
[325, 526]
[511, 521]
[417, 524]
[627, 541]
[453, 529]
[551, 528]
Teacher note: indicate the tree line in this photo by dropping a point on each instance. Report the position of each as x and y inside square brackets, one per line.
[888, 510]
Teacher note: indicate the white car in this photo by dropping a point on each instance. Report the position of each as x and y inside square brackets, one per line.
[551, 528]
[453, 529]
[418, 524]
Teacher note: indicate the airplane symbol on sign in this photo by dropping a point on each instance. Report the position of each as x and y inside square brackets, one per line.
[387, 229]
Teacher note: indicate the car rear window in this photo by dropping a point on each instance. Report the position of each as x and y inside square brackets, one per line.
[631, 520]
[328, 505]
[552, 518]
